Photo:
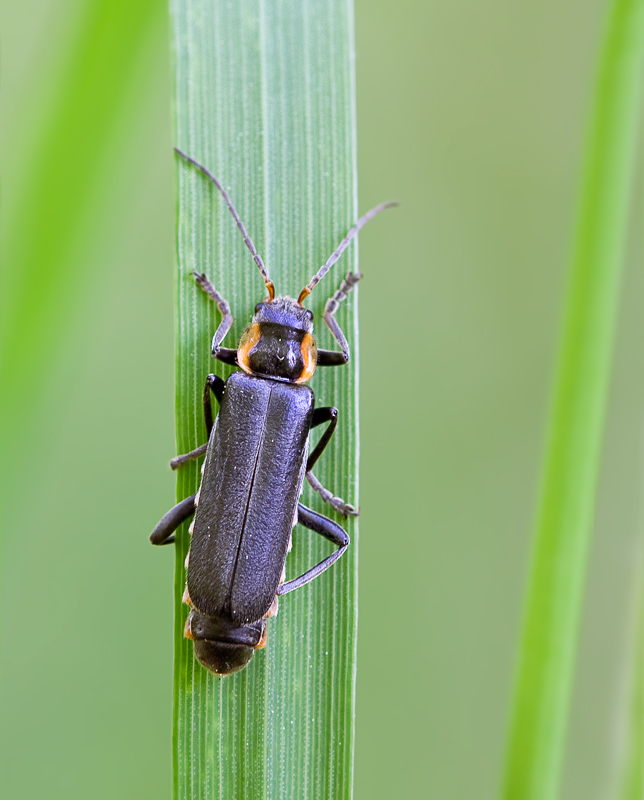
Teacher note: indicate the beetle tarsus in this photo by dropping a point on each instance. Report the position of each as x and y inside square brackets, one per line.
[222, 304]
[346, 509]
[333, 358]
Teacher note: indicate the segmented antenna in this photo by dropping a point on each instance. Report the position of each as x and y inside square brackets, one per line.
[342, 247]
[247, 240]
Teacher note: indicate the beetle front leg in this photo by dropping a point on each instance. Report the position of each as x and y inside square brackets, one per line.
[330, 415]
[325, 527]
[162, 534]
[225, 354]
[331, 358]
[224, 309]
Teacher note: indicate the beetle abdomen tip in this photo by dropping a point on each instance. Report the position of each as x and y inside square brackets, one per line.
[222, 658]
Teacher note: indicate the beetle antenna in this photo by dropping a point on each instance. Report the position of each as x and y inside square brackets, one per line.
[247, 240]
[342, 247]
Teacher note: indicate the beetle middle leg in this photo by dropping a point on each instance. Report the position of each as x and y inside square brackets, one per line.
[215, 385]
[320, 416]
[325, 527]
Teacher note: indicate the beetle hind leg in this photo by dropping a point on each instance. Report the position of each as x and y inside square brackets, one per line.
[162, 534]
[325, 527]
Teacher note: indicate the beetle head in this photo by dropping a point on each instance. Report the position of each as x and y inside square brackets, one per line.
[279, 342]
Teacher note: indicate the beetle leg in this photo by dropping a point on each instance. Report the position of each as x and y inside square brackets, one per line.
[227, 355]
[346, 509]
[325, 527]
[162, 534]
[179, 461]
[331, 358]
[215, 385]
[320, 416]
[222, 304]
[330, 415]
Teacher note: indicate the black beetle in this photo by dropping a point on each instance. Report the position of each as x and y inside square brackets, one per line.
[256, 461]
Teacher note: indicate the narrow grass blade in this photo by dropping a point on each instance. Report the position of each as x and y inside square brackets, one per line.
[631, 778]
[629, 784]
[264, 98]
[565, 515]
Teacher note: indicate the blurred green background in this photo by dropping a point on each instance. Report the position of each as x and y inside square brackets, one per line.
[471, 114]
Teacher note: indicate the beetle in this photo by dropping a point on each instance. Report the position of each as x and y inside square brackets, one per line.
[256, 461]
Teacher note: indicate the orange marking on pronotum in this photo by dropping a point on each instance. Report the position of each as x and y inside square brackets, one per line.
[310, 358]
[249, 339]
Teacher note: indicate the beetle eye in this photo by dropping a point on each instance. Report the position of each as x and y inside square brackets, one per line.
[309, 313]
[259, 307]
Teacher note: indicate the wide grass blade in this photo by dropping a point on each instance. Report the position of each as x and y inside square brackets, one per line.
[264, 98]
[565, 515]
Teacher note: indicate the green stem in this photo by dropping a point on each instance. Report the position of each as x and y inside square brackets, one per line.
[565, 516]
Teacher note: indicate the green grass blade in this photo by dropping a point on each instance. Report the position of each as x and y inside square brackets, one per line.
[629, 761]
[631, 778]
[58, 181]
[565, 515]
[264, 97]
